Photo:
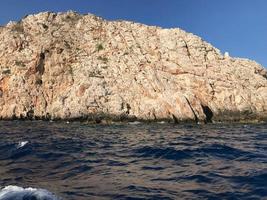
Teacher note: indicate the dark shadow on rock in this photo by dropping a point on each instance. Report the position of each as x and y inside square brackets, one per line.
[208, 112]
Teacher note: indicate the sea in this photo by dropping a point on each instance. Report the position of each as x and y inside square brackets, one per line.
[42, 160]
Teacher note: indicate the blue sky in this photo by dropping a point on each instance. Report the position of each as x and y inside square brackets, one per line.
[236, 26]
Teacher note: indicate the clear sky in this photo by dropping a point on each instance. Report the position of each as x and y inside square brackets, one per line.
[236, 26]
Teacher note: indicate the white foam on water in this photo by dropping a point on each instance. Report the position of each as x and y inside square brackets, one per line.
[134, 123]
[12, 192]
[22, 144]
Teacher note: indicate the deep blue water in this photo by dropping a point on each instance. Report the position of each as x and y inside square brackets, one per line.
[134, 161]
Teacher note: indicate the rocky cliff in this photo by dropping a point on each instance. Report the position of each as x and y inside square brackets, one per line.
[71, 66]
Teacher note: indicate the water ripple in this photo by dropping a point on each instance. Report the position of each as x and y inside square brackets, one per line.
[135, 161]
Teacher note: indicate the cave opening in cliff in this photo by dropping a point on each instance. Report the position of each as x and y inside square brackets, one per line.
[208, 112]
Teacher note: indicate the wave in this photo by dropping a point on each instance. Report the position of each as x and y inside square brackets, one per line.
[22, 144]
[214, 150]
[164, 153]
[134, 123]
[12, 192]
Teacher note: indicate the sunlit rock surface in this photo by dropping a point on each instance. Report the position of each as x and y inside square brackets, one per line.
[71, 66]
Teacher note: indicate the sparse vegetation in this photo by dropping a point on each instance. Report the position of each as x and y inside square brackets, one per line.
[70, 70]
[99, 47]
[39, 81]
[45, 26]
[72, 17]
[96, 74]
[67, 45]
[19, 63]
[6, 71]
[17, 28]
[104, 59]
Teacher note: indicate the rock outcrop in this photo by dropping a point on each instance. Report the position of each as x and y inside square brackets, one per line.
[71, 66]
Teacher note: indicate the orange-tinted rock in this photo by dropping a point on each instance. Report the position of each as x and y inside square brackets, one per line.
[68, 65]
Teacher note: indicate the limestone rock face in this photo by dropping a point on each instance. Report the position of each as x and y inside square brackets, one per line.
[68, 66]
